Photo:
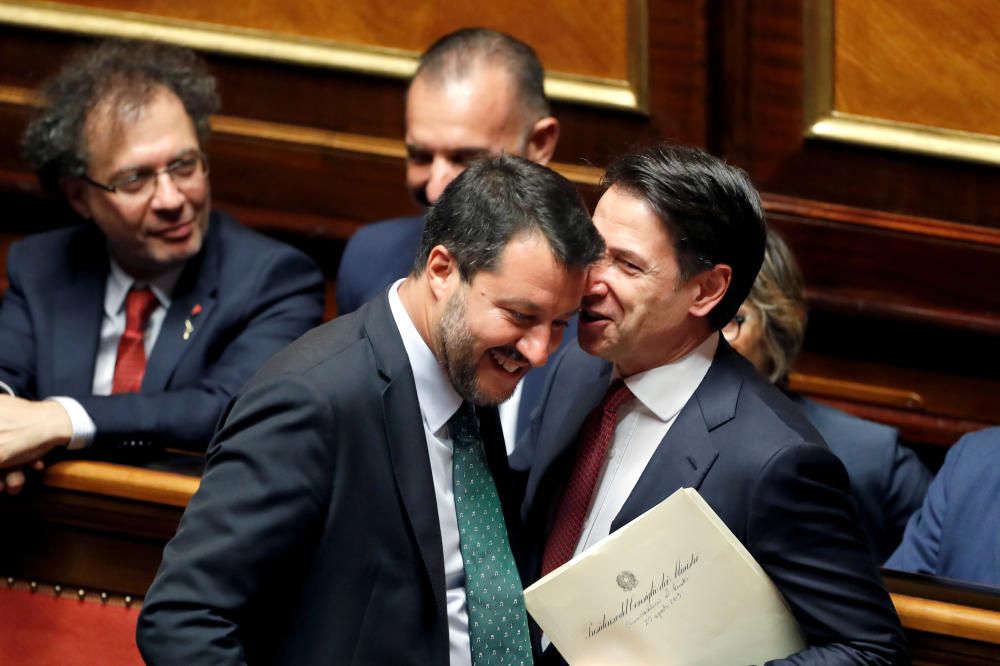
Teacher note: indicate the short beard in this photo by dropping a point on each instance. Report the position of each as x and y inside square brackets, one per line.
[456, 354]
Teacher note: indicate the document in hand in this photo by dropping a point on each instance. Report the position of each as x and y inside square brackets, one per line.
[673, 587]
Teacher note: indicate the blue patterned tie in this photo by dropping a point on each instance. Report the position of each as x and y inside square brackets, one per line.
[498, 623]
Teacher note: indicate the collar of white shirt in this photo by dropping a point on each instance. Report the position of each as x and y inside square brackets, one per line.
[120, 282]
[437, 397]
[666, 389]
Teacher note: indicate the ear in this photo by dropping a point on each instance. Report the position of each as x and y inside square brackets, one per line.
[442, 272]
[710, 286]
[542, 141]
[74, 190]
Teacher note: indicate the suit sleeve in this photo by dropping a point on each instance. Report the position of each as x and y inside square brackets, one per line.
[283, 301]
[804, 533]
[920, 549]
[351, 273]
[906, 488]
[17, 336]
[245, 535]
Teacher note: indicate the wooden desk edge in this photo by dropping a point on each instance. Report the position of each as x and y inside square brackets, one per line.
[939, 617]
[135, 483]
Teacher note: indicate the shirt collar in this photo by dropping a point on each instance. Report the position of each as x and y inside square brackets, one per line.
[666, 389]
[437, 397]
[120, 282]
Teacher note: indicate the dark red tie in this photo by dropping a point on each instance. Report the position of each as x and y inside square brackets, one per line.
[595, 437]
[130, 364]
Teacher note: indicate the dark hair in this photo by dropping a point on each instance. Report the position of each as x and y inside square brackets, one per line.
[710, 209]
[456, 55]
[499, 198]
[117, 72]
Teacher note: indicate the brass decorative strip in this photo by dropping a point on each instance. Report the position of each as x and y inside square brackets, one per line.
[906, 137]
[379, 61]
[74, 593]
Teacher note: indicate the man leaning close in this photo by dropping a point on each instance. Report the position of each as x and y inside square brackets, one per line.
[354, 503]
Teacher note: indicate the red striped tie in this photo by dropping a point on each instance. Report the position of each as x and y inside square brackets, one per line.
[595, 437]
[130, 364]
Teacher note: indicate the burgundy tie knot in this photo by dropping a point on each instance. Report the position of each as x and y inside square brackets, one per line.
[595, 437]
[130, 364]
[616, 395]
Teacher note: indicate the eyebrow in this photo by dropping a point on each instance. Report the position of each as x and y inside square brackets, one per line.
[462, 151]
[521, 303]
[187, 152]
[533, 307]
[628, 255]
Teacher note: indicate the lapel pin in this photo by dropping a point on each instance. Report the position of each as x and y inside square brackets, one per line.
[188, 325]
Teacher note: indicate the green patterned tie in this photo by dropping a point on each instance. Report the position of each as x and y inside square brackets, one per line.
[498, 623]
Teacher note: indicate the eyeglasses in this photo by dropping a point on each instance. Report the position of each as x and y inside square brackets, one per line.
[731, 331]
[186, 171]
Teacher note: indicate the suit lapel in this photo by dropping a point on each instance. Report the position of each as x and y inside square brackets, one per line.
[78, 316]
[682, 460]
[579, 384]
[687, 453]
[405, 439]
[191, 305]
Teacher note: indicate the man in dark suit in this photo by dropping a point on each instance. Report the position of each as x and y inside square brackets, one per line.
[338, 518]
[133, 331]
[956, 532]
[685, 238]
[476, 92]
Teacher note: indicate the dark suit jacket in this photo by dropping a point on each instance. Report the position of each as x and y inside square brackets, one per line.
[888, 481]
[956, 532]
[256, 295]
[314, 537]
[376, 255]
[765, 471]
[381, 253]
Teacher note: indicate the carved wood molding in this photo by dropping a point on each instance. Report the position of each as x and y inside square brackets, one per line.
[794, 208]
[309, 137]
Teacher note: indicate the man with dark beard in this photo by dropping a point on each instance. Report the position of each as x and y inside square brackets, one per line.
[353, 505]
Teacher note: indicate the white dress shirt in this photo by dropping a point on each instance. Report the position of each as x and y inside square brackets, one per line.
[508, 417]
[112, 327]
[438, 402]
[660, 394]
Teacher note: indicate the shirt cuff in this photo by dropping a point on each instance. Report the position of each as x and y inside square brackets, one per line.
[83, 426]
[6, 389]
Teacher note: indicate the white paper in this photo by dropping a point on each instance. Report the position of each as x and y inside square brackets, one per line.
[673, 587]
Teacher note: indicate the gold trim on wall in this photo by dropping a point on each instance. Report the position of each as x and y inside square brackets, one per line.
[823, 121]
[630, 95]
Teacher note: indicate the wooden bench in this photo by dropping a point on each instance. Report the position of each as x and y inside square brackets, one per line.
[101, 527]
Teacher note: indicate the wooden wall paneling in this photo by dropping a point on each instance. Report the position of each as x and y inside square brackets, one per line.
[762, 51]
[565, 32]
[884, 67]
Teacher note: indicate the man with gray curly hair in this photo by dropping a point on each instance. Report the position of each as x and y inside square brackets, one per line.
[132, 332]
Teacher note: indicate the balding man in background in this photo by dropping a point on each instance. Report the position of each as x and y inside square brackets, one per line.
[476, 92]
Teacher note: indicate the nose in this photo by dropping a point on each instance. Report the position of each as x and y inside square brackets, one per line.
[442, 172]
[537, 343]
[167, 195]
[596, 284]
